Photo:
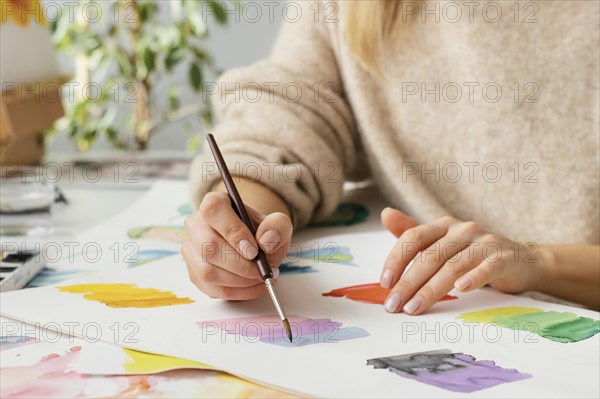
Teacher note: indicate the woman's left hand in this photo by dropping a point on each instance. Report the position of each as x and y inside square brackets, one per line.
[450, 253]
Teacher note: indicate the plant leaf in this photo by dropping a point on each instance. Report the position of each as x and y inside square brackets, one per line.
[196, 76]
[174, 57]
[219, 10]
[149, 60]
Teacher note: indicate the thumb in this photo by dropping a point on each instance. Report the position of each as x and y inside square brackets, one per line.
[397, 222]
[274, 232]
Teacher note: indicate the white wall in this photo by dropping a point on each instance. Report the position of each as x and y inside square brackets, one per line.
[240, 43]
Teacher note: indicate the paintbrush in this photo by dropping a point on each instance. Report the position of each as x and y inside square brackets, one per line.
[264, 268]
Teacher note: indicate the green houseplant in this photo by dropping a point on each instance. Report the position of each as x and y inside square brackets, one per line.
[127, 54]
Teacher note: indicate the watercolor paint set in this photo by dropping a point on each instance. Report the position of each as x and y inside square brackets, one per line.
[18, 268]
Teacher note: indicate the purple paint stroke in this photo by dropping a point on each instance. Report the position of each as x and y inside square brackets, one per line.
[452, 371]
[269, 330]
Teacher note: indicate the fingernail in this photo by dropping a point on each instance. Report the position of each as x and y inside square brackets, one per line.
[275, 272]
[412, 305]
[387, 278]
[247, 250]
[269, 240]
[463, 283]
[392, 303]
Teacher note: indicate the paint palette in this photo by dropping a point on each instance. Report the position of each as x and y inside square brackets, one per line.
[18, 268]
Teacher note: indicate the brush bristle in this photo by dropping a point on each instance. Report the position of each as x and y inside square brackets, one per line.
[288, 329]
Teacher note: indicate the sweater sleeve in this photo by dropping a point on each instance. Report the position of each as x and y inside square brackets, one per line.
[285, 122]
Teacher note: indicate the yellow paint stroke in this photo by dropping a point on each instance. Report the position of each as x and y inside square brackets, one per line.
[125, 295]
[488, 315]
[22, 12]
[148, 363]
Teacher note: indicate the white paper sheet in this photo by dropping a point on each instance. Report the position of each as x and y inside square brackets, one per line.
[325, 369]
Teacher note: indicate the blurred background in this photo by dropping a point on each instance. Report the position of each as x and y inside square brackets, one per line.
[135, 74]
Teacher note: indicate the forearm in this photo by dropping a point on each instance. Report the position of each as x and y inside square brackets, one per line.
[571, 272]
[257, 196]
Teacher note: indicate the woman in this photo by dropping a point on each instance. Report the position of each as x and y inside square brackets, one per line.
[478, 119]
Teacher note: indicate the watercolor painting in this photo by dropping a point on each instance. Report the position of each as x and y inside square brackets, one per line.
[564, 327]
[288, 268]
[13, 341]
[269, 330]
[452, 371]
[51, 374]
[328, 253]
[368, 293]
[125, 295]
[51, 276]
[147, 256]
[159, 233]
[346, 214]
[137, 362]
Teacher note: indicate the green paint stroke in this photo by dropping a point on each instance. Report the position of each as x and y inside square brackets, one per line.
[185, 209]
[346, 214]
[562, 327]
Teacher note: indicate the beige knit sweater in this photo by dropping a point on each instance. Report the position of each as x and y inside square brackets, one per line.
[489, 117]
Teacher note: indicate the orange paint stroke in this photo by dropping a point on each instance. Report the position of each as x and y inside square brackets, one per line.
[368, 293]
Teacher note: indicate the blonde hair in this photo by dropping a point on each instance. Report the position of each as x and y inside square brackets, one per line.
[369, 25]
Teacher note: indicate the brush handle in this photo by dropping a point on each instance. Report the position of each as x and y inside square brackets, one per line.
[264, 268]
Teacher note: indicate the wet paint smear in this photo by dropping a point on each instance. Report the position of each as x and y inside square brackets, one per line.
[147, 256]
[452, 371]
[159, 233]
[287, 268]
[54, 376]
[125, 295]
[346, 214]
[368, 293]
[269, 330]
[564, 327]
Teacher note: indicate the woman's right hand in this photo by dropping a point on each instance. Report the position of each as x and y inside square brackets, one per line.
[219, 248]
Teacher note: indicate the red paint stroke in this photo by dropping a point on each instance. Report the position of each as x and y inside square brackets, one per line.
[50, 356]
[368, 293]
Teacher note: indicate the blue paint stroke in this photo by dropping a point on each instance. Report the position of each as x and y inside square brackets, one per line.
[287, 268]
[13, 341]
[49, 276]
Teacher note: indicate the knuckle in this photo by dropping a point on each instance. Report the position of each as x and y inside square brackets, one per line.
[456, 269]
[447, 220]
[489, 238]
[404, 286]
[207, 273]
[210, 206]
[234, 231]
[471, 227]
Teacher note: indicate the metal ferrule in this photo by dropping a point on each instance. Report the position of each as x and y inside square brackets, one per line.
[271, 288]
